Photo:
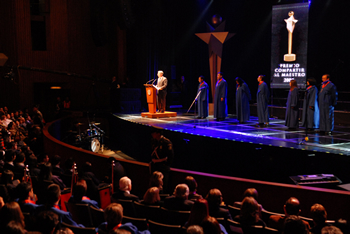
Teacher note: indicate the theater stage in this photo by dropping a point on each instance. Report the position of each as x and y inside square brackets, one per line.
[228, 148]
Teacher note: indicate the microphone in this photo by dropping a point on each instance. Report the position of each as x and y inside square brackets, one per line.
[154, 80]
[150, 81]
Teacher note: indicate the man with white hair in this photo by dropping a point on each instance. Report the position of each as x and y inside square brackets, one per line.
[124, 191]
[179, 201]
[161, 87]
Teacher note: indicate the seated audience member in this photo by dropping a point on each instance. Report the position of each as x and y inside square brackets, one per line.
[56, 166]
[192, 186]
[46, 222]
[124, 191]
[113, 217]
[194, 229]
[211, 226]
[19, 166]
[249, 214]
[199, 212]
[319, 216]
[118, 172]
[53, 194]
[91, 181]
[47, 176]
[214, 198]
[292, 207]
[179, 201]
[7, 180]
[250, 192]
[331, 230]
[14, 227]
[26, 197]
[152, 197]
[156, 180]
[10, 156]
[294, 225]
[79, 197]
[11, 212]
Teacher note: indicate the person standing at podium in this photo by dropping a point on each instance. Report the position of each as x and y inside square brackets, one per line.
[161, 87]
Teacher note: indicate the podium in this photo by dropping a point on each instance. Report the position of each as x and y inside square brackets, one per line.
[151, 95]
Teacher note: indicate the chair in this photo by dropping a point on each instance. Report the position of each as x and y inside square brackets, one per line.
[235, 227]
[147, 211]
[309, 220]
[163, 196]
[161, 228]
[97, 216]
[65, 195]
[265, 215]
[105, 196]
[174, 217]
[233, 210]
[141, 224]
[80, 213]
[79, 230]
[255, 229]
[128, 207]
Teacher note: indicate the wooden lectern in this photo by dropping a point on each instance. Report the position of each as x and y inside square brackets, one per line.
[151, 94]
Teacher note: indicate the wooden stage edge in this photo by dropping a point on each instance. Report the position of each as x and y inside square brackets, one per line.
[159, 115]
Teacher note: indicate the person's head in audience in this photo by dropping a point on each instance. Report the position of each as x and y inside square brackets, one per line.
[331, 230]
[45, 172]
[251, 192]
[43, 158]
[194, 229]
[14, 227]
[318, 214]
[87, 167]
[46, 222]
[125, 184]
[156, 180]
[2, 203]
[25, 191]
[211, 226]
[214, 197]
[113, 215]
[20, 158]
[55, 161]
[79, 190]
[294, 225]
[191, 183]
[6, 177]
[31, 161]
[181, 191]
[53, 194]
[10, 155]
[151, 196]
[64, 230]
[11, 211]
[292, 207]
[12, 145]
[249, 211]
[199, 212]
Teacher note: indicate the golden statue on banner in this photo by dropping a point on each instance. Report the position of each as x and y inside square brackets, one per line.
[291, 21]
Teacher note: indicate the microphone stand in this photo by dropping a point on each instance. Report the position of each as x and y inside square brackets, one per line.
[194, 102]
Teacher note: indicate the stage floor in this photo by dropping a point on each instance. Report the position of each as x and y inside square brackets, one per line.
[276, 134]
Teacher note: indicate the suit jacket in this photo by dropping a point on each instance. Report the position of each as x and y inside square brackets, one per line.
[124, 196]
[174, 203]
[219, 212]
[277, 222]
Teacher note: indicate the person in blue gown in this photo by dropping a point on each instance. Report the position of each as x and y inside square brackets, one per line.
[242, 101]
[292, 109]
[327, 99]
[311, 114]
[220, 98]
[262, 98]
[203, 98]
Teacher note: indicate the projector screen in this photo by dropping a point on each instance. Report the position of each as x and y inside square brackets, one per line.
[289, 45]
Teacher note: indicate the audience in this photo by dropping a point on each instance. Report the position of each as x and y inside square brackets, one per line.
[26, 197]
[179, 201]
[152, 197]
[249, 214]
[294, 225]
[215, 203]
[124, 191]
[319, 217]
[156, 180]
[192, 186]
[79, 197]
[11, 212]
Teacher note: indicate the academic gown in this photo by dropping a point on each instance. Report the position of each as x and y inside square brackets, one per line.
[242, 102]
[311, 116]
[203, 100]
[220, 107]
[327, 99]
[262, 98]
[292, 109]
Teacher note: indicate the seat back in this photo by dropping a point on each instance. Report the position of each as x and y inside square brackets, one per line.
[97, 216]
[147, 211]
[65, 195]
[79, 230]
[234, 211]
[265, 215]
[174, 217]
[128, 207]
[141, 224]
[80, 213]
[105, 196]
[161, 228]
[235, 227]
